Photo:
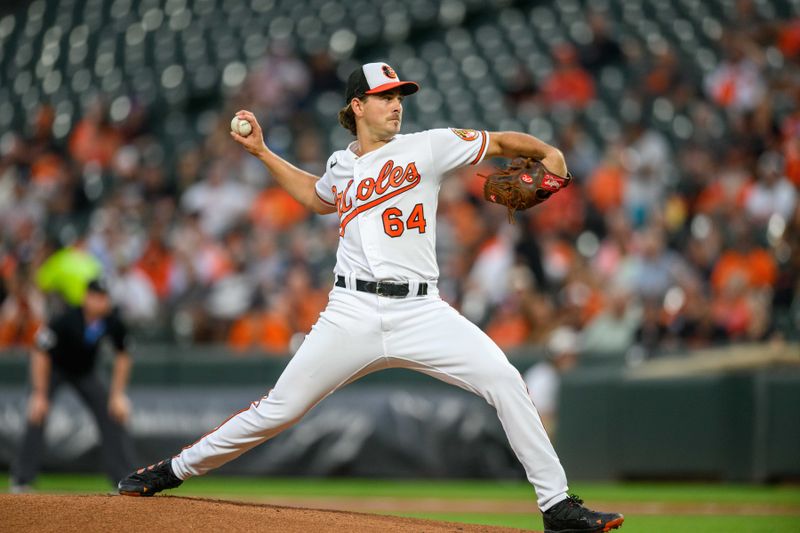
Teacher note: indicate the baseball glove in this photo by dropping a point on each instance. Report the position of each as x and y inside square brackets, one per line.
[524, 183]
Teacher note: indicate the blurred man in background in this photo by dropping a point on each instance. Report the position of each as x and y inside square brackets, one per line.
[544, 378]
[66, 353]
[66, 274]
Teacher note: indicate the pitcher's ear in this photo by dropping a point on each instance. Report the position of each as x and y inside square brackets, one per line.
[357, 105]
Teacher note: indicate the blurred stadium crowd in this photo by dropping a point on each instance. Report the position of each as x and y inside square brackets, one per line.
[680, 120]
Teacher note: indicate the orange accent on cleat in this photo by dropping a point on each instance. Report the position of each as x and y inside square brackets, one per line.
[614, 524]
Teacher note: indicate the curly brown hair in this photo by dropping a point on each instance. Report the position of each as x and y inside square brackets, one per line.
[348, 119]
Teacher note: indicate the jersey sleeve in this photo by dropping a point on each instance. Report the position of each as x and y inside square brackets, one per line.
[118, 332]
[47, 336]
[45, 339]
[454, 147]
[323, 185]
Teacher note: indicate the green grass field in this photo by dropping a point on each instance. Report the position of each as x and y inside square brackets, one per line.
[649, 507]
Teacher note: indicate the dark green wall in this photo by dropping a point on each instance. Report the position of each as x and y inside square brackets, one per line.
[735, 427]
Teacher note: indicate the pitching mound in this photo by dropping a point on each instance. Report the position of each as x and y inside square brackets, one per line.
[89, 514]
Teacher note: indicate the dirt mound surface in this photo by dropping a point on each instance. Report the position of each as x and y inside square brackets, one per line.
[90, 513]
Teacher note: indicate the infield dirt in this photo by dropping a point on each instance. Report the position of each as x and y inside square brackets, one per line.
[101, 513]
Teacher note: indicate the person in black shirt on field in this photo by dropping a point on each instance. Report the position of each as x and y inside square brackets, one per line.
[66, 353]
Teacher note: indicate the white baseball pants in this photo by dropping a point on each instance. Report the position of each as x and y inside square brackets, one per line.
[359, 333]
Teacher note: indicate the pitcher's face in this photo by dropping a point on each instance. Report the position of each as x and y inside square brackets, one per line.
[383, 113]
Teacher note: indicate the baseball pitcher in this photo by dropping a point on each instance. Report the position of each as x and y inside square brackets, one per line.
[384, 310]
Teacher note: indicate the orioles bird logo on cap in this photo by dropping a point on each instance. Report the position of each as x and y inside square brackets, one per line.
[389, 72]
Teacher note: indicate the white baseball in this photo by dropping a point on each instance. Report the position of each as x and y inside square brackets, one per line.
[241, 126]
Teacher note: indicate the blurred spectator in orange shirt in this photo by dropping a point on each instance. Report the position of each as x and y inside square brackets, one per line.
[94, 138]
[242, 334]
[569, 83]
[606, 185]
[789, 38]
[157, 263]
[47, 171]
[291, 311]
[508, 326]
[726, 192]
[274, 330]
[755, 266]
[564, 213]
[468, 229]
[665, 75]
[305, 301]
[22, 311]
[275, 208]
[731, 309]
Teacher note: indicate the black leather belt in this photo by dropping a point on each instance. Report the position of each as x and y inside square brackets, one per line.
[389, 289]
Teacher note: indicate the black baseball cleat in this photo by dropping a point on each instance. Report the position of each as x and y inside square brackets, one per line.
[150, 480]
[570, 516]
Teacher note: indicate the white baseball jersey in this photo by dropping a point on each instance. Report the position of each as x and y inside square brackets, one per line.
[387, 199]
